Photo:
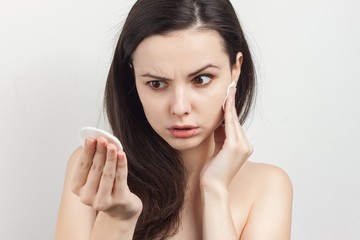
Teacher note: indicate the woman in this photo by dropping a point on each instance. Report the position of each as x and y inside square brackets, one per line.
[183, 172]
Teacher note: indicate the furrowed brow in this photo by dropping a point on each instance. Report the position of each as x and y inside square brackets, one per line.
[149, 75]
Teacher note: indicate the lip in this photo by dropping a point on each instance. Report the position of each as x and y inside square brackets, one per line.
[183, 131]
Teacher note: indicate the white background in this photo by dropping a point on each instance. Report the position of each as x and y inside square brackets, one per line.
[54, 58]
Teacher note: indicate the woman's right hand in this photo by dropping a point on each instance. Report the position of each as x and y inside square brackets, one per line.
[100, 180]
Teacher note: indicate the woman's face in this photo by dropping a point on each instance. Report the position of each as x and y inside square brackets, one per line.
[181, 79]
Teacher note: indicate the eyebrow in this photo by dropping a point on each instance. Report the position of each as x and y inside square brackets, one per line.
[190, 75]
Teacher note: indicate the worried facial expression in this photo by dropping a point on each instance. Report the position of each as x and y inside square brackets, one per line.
[181, 79]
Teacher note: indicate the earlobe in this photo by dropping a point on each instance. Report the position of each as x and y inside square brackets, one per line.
[236, 68]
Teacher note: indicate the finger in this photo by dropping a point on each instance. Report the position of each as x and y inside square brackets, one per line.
[246, 148]
[108, 174]
[84, 164]
[120, 183]
[230, 129]
[234, 131]
[92, 183]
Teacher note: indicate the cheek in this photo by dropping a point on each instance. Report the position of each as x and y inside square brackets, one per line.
[145, 102]
[215, 98]
[152, 109]
[211, 108]
[148, 105]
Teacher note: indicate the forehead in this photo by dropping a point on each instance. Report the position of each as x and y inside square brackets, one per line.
[181, 47]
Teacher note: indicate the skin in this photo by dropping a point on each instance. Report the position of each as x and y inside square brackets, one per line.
[227, 196]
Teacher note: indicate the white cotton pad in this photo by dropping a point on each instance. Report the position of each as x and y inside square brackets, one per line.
[232, 84]
[91, 132]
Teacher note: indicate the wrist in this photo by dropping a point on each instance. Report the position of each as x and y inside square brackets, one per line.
[214, 190]
[213, 185]
[116, 220]
[109, 227]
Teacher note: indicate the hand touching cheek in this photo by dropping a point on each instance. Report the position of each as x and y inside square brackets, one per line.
[232, 149]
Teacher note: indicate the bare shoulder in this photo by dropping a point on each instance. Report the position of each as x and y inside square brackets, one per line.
[267, 191]
[264, 175]
[259, 181]
[262, 181]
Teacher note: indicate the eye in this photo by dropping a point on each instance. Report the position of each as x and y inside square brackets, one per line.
[202, 80]
[157, 84]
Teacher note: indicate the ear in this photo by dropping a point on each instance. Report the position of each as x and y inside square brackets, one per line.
[236, 67]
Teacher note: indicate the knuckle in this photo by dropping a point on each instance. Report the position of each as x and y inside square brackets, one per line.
[108, 176]
[98, 168]
[101, 145]
[101, 204]
[247, 150]
[100, 150]
[84, 164]
[75, 189]
[89, 150]
[121, 176]
[251, 149]
[86, 199]
[110, 158]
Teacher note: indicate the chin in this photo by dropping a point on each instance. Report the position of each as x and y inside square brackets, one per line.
[181, 144]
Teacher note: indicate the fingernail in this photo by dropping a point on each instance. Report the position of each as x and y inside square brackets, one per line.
[90, 141]
[110, 147]
[101, 141]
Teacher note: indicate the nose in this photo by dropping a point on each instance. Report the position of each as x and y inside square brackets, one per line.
[180, 103]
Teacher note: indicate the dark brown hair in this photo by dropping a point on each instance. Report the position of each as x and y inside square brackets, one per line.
[156, 173]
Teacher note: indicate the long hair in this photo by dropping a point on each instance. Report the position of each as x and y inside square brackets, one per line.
[156, 173]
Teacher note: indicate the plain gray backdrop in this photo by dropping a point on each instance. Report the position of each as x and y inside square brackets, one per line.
[54, 58]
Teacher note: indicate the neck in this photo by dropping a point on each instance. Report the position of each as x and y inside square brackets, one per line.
[194, 160]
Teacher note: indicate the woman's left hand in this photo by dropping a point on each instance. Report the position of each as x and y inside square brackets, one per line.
[232, 149]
